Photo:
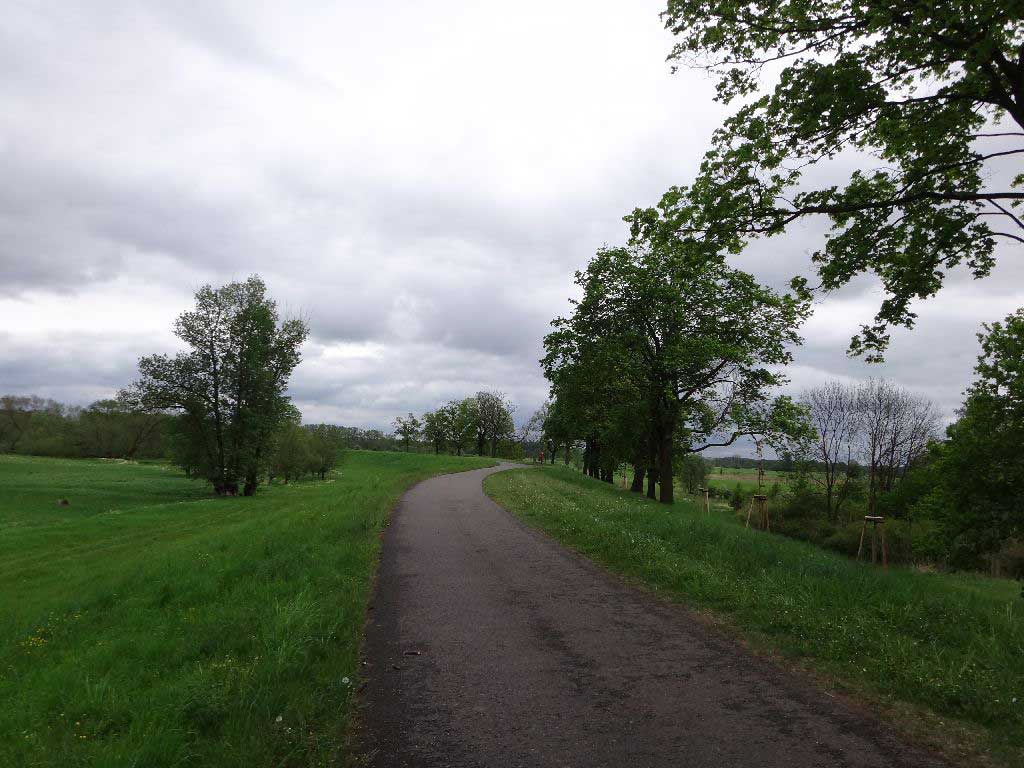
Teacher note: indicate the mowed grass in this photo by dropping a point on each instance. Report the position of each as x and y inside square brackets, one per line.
[942, 654]
[148, 624]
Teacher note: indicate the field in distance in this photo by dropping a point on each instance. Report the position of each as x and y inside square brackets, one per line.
[148, 623]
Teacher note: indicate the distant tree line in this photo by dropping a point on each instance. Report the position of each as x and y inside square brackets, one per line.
[482, 424]
[106, 429]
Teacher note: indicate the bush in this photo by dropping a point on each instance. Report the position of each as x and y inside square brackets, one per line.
[899, 539]
[737, 498]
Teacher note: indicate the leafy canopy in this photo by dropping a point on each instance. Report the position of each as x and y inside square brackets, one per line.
[932, 92]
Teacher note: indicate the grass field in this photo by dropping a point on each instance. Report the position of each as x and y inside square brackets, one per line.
[943, 655]
[148, 624]
[726, 478]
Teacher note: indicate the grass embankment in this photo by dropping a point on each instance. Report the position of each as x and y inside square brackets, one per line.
[933, 649]
[148, 624]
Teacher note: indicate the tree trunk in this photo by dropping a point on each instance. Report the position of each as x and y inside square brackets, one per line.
[652, 479]
[638, 479]
[665, 468]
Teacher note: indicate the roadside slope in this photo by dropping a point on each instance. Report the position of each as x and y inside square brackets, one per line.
[939, 655]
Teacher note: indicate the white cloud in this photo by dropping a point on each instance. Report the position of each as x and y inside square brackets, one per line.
[419, 180]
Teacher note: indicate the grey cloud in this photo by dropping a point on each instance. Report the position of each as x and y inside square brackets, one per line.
[422, 207]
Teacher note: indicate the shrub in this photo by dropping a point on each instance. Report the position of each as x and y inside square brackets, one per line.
[738, 498]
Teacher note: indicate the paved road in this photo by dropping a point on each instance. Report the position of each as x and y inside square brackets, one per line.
[490, 645]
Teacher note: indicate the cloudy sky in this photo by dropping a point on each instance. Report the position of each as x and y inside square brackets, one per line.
[419, 180]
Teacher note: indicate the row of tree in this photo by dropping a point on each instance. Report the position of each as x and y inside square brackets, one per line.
[669, 351]
[872, 425]
[106, 429]
[481, 422]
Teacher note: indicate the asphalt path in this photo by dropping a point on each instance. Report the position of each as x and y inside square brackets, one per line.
[489, 644]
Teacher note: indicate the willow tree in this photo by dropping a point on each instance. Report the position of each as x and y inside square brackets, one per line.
[926, 99]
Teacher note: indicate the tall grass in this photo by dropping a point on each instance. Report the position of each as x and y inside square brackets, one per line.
[949, 644]
[147, 624]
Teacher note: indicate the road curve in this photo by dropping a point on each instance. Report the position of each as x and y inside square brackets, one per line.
[488, 644]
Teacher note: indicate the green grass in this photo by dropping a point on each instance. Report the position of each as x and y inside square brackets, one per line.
[726, 478]
[148, 624]
[929, 646]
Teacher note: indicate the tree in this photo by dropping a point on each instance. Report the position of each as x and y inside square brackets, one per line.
[18, 415]
[533, 428]
[558, 430]
[407, 429]
[292, 453]
[463, 417]
[325, 448]
[982, 464]
[436, 428]
[894, 429]
[693, 472]
[494, 420]
[699, 343]
[833, 408]
[231, 384]
[922, 88]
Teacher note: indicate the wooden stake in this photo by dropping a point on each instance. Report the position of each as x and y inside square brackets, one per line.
[706, 504]
[877, 536]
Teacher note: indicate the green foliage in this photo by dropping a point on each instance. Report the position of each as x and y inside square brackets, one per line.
[948, 644]
[150, 624]
[326, 447]
[983, 462]
[693, 472]
[106, 429]
[437, 428]
[914, 85]
[230, 385]
[738, 498]
[463, 416]
[292, 455]
[407, 429]
[671, 342]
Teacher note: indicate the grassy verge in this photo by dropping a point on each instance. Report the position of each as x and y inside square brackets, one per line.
[946, 652]
[147, 624]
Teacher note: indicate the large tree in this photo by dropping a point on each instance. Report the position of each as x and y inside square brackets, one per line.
[924, 99]
[407, 429]
[462, 418]
[699, 343]
[982, 465]
[230, 385]
[494, 420]
[436, 428]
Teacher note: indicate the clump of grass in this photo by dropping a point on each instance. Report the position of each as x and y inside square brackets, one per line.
[951, 644]
[149, 624]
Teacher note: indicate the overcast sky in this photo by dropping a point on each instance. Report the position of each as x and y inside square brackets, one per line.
[419, 180]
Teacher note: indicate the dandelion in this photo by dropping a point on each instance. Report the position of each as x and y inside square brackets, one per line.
[279, 718]
[344, 681]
